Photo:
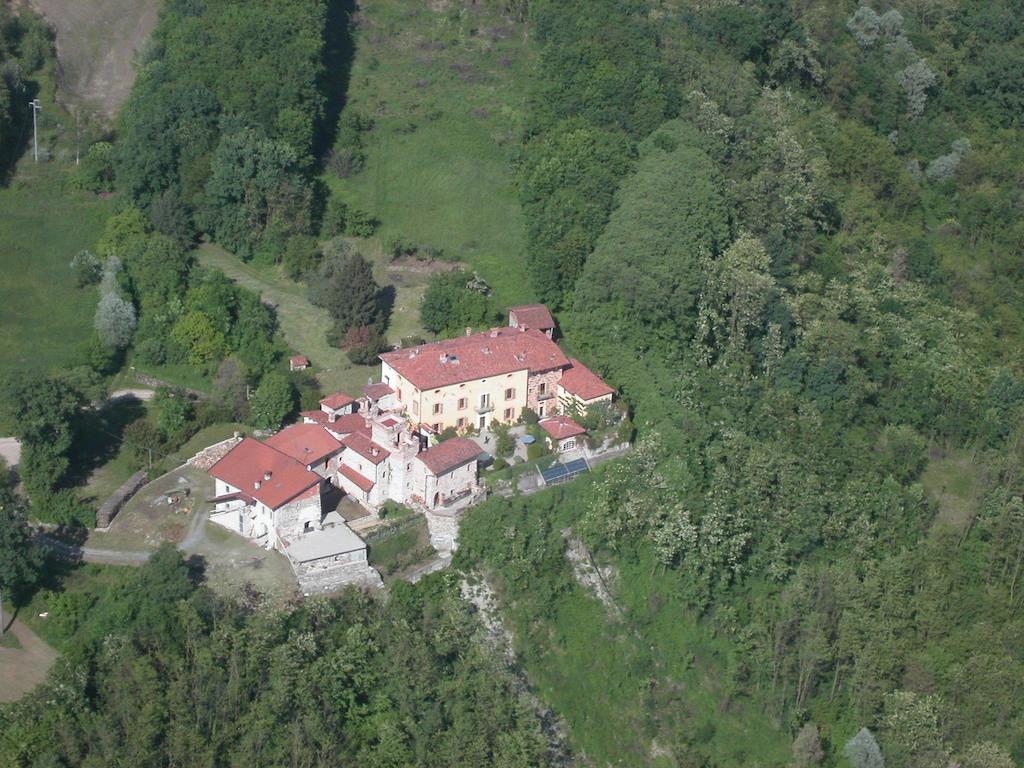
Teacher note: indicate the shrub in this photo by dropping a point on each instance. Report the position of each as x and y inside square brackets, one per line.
[360, 223]
[335, 219]
[301, 256]
[87, 268]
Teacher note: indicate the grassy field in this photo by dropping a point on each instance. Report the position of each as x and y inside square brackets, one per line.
[43, 316]
[445, 90]
[305, 327]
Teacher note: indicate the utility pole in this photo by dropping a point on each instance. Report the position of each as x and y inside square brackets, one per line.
[35, 128]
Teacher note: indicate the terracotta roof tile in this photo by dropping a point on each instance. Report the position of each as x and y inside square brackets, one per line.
[350, 423]
[468, 358]
[377, 391]
[450, 454]
[306, 443]
[362, 483]
[366, 448]
[337, 400]
[532, 316]
[584, 383]
[246, 463]
[561, 427]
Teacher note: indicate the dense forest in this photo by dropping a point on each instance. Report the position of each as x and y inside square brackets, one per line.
[790, 235]
[807, 287]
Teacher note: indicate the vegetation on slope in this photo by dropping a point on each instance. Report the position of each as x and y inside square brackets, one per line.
[798, 333]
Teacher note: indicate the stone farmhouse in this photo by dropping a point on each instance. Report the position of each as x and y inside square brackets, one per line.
[383, 446]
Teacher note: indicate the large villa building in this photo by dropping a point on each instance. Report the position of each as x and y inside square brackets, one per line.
[471, 381]
[383, 446]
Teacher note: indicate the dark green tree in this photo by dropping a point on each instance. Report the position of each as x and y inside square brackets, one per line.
[20, 556]
[273, 401]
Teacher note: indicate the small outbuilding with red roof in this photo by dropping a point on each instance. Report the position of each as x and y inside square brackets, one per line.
[535, 316]
[564, 434]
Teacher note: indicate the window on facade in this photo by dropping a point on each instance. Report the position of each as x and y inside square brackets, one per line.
[463, 402]
[508, 414]
[437, 427]
[485, 400]
[437, 408]
[399, 394]
[542, 388]
[510, 393]
[540, 410]
[569, 444]
[461, 423]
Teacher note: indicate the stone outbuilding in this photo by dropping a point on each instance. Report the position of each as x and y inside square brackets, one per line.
[564, 434]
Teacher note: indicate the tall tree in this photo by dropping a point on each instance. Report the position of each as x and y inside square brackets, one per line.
[20, 557]
[345, 287]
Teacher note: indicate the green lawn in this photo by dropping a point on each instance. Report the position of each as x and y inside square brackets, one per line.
[43, 316]
[445, 90]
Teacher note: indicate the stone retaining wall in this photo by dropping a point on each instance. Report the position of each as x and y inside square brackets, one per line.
[106, 513]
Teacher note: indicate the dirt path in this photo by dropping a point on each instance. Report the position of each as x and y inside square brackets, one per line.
[10, 451]
[22, 669]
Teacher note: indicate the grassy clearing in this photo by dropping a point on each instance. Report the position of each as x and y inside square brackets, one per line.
[305, 327]
[445, 90]
[43, 316]
[955, 483]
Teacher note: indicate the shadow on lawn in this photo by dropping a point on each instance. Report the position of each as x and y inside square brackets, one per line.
[98, 436]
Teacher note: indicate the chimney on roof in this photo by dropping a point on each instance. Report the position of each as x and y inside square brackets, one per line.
[494, 333]
[469, 331]
[267, 475]
[256, 485]
[374, 451]
[486, 350]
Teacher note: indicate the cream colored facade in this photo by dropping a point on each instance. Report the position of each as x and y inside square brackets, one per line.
[476, 403]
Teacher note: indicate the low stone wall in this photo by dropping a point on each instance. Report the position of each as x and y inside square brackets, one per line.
[316, 576]
[210, 455]
[106, 513]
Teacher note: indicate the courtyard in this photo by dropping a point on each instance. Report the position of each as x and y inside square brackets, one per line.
[175, 508]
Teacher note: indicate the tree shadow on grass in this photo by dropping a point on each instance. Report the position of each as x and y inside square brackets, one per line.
[339, 51]
[98, 436]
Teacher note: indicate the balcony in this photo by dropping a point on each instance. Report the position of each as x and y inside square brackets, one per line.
[541, 396]
[485, 408]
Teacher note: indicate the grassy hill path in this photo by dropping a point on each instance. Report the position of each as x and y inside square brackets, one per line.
[304, 326]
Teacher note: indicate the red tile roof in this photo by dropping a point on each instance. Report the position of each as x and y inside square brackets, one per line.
[348, 424]
[317, 416]
[363, 483]
[561, 427]
[450, 454]
[532, 316]
[297, 360]
[584, 383]
[337, 400]
[245, 465]
[377, 391]
[468, 358]
[306, 443]
[365, 447]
